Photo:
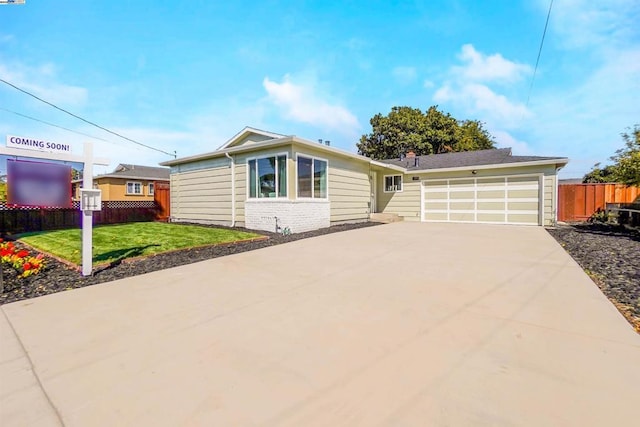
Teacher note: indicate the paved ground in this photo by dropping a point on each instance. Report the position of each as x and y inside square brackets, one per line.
[400, 325]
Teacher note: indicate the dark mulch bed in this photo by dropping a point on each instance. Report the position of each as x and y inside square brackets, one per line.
[58, 276]
[610, 255]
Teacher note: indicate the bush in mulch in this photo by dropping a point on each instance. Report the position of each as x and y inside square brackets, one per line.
[57, 276]
[610, 255]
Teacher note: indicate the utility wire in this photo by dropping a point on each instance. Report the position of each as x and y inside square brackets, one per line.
[533, 78]
[85, 120]
[53, 124]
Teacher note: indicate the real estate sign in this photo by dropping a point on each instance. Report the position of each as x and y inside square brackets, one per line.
[37, 144]
[38, 184]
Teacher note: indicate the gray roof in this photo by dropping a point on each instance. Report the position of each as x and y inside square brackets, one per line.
[128, 171]
[466, 159]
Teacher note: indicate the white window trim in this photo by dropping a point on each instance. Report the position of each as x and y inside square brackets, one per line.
[141, 193]
[256, 158]
[149, 187]
[319, 199]
[384, 183]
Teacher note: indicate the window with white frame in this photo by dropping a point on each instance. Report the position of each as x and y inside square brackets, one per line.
[134, 188]
[312, 178]
[392, 183]
[151, 188]
[268, 177]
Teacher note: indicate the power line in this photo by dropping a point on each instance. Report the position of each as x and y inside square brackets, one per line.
[544, 33]
[85, 120]
[52, 124]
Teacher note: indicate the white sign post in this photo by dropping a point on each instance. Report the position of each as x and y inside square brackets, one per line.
[40, 150]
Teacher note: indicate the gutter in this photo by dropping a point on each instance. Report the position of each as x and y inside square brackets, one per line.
[233, 189]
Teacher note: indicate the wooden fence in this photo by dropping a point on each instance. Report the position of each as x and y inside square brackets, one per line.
[578, 202]
[20, 220]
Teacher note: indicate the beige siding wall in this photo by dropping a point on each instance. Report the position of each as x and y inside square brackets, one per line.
[202, 195]
[407, 203]
[348, 186]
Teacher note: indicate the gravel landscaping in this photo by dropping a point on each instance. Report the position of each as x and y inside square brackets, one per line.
[610, 255]
[58, 276]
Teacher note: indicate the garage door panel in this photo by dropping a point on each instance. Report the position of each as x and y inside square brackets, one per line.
[461, 183]
[523, 206]
[490, 217]
[489, 182]
[529, 194]
[463, 195]
[512, 199]
[462, 216]
[436, 184]
[468, 205]
[519, 218]
[436, 205]
[492, 194]
[491, 206]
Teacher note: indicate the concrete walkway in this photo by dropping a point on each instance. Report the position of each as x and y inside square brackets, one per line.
[398, 325]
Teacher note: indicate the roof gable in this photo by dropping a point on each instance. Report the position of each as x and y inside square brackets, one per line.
[249, 135]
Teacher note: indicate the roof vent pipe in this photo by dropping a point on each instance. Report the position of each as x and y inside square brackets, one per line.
[320, 141]
[327, 143]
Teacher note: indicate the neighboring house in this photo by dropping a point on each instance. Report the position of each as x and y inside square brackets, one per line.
[127, 183]
[267, 181]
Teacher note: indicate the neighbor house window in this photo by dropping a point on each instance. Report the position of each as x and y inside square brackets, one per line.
[151, 188]
[312, 178]
[134, 188]
[268, 177]
[392, 183]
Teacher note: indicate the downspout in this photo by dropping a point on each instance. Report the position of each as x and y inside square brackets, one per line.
[233, 190]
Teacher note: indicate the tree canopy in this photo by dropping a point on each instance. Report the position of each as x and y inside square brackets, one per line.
[431, 132]
[626, 162]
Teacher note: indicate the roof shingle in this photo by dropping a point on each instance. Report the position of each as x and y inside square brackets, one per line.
[497, 156]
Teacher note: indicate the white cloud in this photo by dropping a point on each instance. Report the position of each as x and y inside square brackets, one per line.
[585, 23]
[404, 75]
[505, 139]
[301, 103]
[43, 82]
[480, 100]
[480, 67]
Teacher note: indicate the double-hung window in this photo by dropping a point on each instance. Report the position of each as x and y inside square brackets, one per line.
[134, 188]
[392, 183]
[268, 177]
[312, 178]
[151, 188]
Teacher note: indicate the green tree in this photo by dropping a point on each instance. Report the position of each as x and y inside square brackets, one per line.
[626, 162]
[433, 131]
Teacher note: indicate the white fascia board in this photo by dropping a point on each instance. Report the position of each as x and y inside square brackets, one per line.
[560, 161]
[268, 144]
[388, 166]
[246, 130]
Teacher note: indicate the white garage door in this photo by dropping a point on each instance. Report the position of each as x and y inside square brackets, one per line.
[498, 200]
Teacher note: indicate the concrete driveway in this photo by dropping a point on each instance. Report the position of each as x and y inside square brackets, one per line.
[398, 325]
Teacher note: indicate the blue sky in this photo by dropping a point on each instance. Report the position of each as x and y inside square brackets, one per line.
[186, 76]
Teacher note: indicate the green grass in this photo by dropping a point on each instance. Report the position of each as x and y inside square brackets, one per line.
[117, 242]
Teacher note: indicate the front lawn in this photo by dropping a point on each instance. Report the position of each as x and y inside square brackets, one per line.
[117, 242]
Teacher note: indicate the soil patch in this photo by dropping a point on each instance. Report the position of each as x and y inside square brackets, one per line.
[58, 276]
[610, 255]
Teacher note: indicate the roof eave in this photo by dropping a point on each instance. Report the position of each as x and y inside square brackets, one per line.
[559, 162]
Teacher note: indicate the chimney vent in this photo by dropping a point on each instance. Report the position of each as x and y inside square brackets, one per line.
[411, 154]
